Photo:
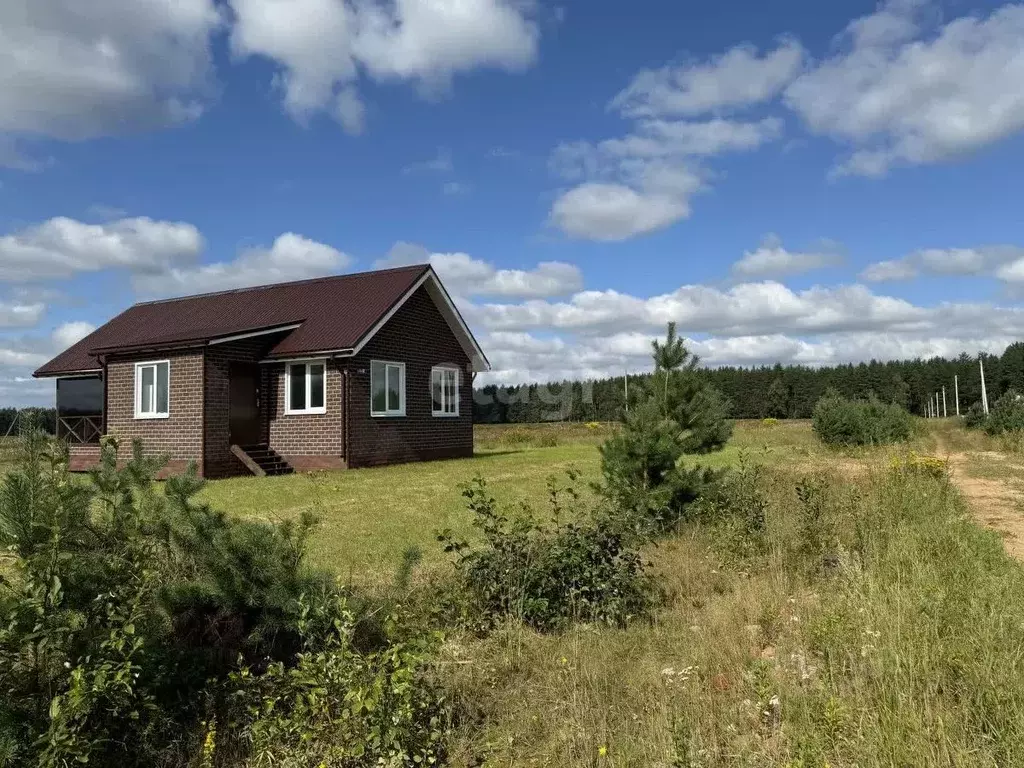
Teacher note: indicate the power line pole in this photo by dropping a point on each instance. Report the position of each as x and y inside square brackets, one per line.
[945, 415]
[984, 395]
[625, 387]
[956, 394]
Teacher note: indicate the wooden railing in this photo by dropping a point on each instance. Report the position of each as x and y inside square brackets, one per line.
[81, 430]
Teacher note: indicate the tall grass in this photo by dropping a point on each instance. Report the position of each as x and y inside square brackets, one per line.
[875, 625]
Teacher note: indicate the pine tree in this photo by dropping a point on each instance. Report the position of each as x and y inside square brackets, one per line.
[678, 413]
[777, 402]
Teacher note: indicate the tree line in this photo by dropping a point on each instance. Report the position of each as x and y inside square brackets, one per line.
[41, 418]
[778, 391]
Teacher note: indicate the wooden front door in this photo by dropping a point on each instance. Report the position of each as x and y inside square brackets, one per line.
[244, 405]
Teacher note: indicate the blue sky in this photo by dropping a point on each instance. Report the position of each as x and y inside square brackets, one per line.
[796, 181]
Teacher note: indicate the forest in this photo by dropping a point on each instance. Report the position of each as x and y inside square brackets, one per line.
[777, 391]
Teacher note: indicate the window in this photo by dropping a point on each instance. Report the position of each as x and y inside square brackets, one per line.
[387, 388]
[304, 387]
[444, 391]
[152, 390]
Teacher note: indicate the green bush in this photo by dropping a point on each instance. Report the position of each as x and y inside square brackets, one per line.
[334, 704]
[128, 614]
[1006, 414]
[843, 422]
[975, 417]
[581, 569]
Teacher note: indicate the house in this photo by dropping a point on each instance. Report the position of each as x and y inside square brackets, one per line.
[347, 371]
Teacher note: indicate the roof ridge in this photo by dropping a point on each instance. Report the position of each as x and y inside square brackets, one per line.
[323, 279]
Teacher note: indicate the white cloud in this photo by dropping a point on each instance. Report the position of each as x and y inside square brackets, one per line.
[16, 314]
[903, 96]
[61, 247]
[741, 310]
[70, 333]
[737, 78]
[439, 163]
[994, 260]
[600, 211]
[452, 188]
[322, 46]
[643, 181]
[291, 257]
[465, 276]
[770, 259]
[72, 70]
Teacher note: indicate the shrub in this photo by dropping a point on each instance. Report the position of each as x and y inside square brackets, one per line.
[581, 569]
[839, 421]
[335, 705]
[1006, 414]
[126, 611]
[548, 440]
[975, 417]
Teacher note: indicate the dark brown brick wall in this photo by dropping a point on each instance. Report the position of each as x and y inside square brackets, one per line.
[418, 336]
[180, 436]
[304, 439]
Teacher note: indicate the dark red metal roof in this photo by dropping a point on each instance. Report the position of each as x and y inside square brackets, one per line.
[333, 313]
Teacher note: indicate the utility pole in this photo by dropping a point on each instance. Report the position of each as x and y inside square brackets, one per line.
[625, 387]
[944, 413]
[956, 394]
[984, 395]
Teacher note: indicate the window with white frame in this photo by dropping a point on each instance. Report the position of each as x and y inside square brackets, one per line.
[305, 386]
[444, 391]
[387, 388]
[153, 390]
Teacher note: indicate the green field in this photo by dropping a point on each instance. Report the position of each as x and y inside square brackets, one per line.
[900, 647]
[371, 516]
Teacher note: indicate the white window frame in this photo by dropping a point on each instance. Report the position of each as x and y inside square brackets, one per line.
[288, 410]
[401, 389]
[458, 383]
[153, 414]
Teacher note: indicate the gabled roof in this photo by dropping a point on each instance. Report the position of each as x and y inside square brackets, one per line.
[329, 314]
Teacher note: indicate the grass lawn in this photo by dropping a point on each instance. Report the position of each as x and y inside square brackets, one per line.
[371, 516]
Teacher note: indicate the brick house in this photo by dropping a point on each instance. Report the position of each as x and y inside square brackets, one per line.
[347, 371]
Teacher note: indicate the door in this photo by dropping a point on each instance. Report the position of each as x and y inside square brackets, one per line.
[244, 405]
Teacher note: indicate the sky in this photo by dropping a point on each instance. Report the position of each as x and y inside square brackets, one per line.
[794, 181]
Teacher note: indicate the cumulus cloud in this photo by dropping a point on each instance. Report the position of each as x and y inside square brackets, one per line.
[737, 78]
[74, 70]
[66, 334]
[771, 259]
[902, 95]
[643, 181]
[321, 46]
[61, 247]
[993, 260]
[291, 257]
[18, 314]
[465, 276]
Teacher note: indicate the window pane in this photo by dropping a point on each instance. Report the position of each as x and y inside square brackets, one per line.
[452, 399]
[394, 388]
[378, 390]
[163, 387]
[316, 386]
[436, 381]
[146, 401]
[297, 387]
